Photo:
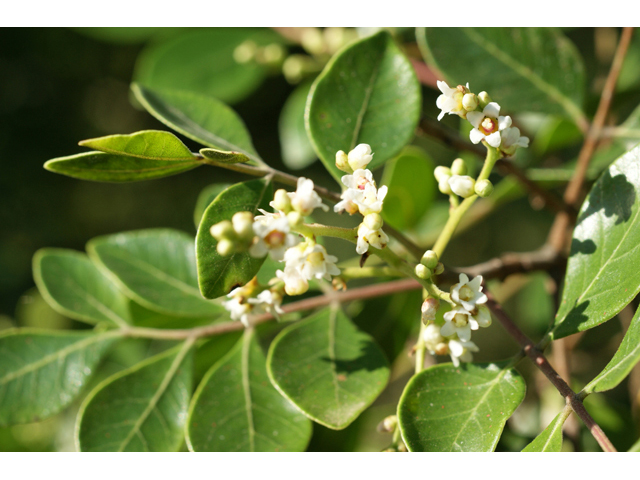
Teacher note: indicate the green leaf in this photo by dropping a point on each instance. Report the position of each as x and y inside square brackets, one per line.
[147, 144]
[141, 409]
[550, 440]
[156, 268]
[206, 196]
[367, 93]
[106, 167]
[523, 69]
[412, 188]
[218, 275]
[41, 372]
[328, 368]
[626, 357]
[235, 408]
[224, 157]
[449, 409]
[297, 151]
[200, 117]
[603, 271]
[202, 61]
[74, 286]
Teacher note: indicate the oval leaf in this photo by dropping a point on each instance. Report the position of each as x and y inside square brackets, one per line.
[550, 440]
[458, 409]
[328, 368]
[523, 69]
[106, 167]
[297, 151]
[141, 409]
[218, 275]
[74, 286]
[206, 196]
[623, 361]
[200, 117]
[41, 372]
[156, 268]
[148, 144]
[603, 271]
[224, 157]
[367, 93]
[202, 61]
[235, 408]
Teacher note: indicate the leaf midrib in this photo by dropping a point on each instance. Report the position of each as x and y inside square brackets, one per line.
[246, 387]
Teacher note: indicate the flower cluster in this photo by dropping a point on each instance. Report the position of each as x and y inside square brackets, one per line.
[362, 195]
[252, 299]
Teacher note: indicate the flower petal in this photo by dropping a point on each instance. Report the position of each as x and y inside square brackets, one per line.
[491, 110]
[494, 139]
[475, 118]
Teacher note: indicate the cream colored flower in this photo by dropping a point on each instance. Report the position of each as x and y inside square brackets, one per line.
[488, 124]
[305, 199]
[468, 293]
[272, 236]
[368, 236]
[450, 101]
[360, 156]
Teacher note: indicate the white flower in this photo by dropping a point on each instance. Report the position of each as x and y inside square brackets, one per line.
[370, 200]
[433, 341]
[450, 101]
[318, 264]
[488, 124]
[267, 301]
[358, 180]
[462, 185]
[461, 351]
[459, 321]
[238, 306]
[468, 293]
[294, 282]
[360, 156]
[303, 263]
[511, 140]
[305, 199]
[368, 236]
[273, 236]
[348, 201]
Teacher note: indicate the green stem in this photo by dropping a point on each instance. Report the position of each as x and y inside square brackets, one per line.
[451, 225]
[351, 273]
[493, 155]
[420, 349]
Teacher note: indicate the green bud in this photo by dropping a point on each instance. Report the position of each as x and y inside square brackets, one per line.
[225, 247]
[458, 167]
[484, 188]
[312, 41]
[470, 102]
[342, 162]
[373, 221]
[484, 99]
[243, 224]
[223, 230]
[282, 201]
[293, 68]
[430, 259]
[272, 54]
[439, 269]
[443, 185]
[295, 219]
[245, 52]
[422, 272]
[389, 424]
[441, 172]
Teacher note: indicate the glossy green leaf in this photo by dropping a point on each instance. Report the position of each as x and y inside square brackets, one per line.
[141, 409]
[450, 409]
[155, 267]
[219, 275]
[328, 368]
[223, 156]
[412, 188]
[523, 69]
[626, 357]
[202, 61]
[106, 167]
[147, 144]
[550, 440]
[236, 409]
[367, 93]
[297, 151]
[206, 196]
[200, 117]
[603, 271]
[74, 286]
[41, 372]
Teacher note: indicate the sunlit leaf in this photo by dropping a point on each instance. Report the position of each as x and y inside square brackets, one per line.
[550, 440]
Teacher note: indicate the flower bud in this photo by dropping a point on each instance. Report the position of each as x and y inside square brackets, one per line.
[281, 201]
[484, 99]
[312, 41]
[442, 172]
[245, 52]
[429, 259]
[462, 89]
[458, 167]
[429, 309]
[439, 269]
[443, 185]
[373, 221]
[294, 68]
[295, 219]
[442, 349]
[422, 272]
[484, 188]
[360, 156]
[342, 162]
[470, 102]
[243, 224]
[225, 247]
[272, 54]
[222, 230]
[296, 286]
[389, 424]
[462, 185]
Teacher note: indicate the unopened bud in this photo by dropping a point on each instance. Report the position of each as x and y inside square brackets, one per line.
[222, 230]
[281, 201]
[296, 287]
[439, 269]
[462, 185]
[338, 283]
[342, 162]
[225, 247]
[422, 272]
[484, 188]
[462, 89]
[441, 349]
[429, 259]
[402, 448]
[312, 41]
[245, 52]
[441, 172]
[484, 99]
[272, 54]
[293, 68]
[373, 221]
[443, 185]
[458, 167]
[470, 102]
[360, 156]
[429, 309]
[295, 219]
[243, 224]
[389, 424]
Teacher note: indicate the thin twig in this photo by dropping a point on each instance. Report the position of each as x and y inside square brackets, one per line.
[539, 360]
